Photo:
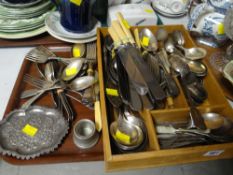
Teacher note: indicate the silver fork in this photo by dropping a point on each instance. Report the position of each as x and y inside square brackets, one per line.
[42, 85]
[91, 51]
[41, 54]
[36, 82]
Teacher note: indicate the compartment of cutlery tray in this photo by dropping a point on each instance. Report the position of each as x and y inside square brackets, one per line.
[154, 155]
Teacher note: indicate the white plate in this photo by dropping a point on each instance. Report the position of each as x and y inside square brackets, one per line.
[166, 11]
[52, 22]
[23, 34]
[8, 4]
[70, 40]
[168, 14]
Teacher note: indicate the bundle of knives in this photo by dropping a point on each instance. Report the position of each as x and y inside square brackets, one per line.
[129, 78]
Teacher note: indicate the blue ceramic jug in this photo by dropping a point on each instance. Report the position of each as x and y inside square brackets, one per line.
[78, 16]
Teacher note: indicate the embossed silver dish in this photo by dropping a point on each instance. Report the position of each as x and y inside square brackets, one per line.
[29, 133]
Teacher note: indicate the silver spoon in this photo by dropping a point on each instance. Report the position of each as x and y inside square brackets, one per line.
[81, 83]
[196, 67]
[148, 40]
[72, 69]
[194, 53]
[78, 50]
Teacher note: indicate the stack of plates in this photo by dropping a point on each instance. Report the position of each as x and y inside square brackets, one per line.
[54, 27]
[23, 20]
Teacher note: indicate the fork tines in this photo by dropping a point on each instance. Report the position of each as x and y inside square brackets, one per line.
[91, 51]
[39, 83]
[39, 54]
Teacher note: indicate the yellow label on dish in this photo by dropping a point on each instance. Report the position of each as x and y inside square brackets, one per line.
[71, 71]
[148, 10]
[29, 130]
[145, 41]
[76, 52]
[123, 137]
[220, 29]
[77, 2]
[126, 24]
[112, 92]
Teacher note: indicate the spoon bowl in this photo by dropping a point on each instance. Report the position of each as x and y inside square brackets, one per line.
[78, 50]
[197, 67]
[72, 69]
[161, 34]
[194, 53]
[217, 123]
[126, 134]
[179, 65]
[82, 83]
[148, 40]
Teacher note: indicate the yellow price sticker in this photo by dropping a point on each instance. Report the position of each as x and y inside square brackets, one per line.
[76, 52]
[112, 92]
[77, 2]
[123, 137]
[149, 11]
[126, 24]
[71, 71]
[145, 41]
[221, 29]
[29, 130]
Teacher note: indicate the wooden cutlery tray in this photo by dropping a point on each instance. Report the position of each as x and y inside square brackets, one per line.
[67, 151]
[153, 155]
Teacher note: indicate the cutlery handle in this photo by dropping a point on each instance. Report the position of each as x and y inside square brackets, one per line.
[66, 106]
[136, 36]
[115, 37]
[32, 100]
[125, 29]
[197, 118]
[98, 121]
[120, 32]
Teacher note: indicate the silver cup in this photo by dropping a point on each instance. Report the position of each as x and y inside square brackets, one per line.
[84, 134]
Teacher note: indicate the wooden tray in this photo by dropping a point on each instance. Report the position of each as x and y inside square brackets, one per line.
[67, 151]
[43, 39]
[153, 154]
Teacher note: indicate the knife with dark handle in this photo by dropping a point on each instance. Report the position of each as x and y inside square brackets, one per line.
[136, 68]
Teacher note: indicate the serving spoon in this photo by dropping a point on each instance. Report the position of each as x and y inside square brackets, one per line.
[194, 53]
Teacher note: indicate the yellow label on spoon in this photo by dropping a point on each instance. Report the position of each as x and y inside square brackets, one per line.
[123, 137]
[76, 52]
[77, 2]
[71, 71]
[29, 130]
[145, 41]
[221, 29]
